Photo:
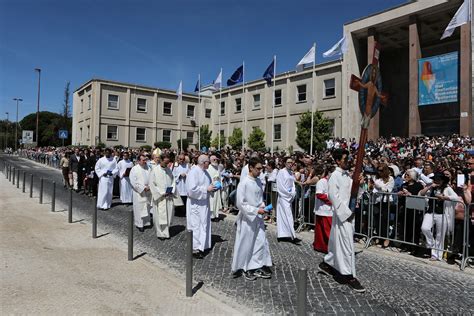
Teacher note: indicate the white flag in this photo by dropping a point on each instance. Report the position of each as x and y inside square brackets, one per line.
[218, 81]
[180, 91]
[462, 16]
[309, 58]
[338, 49]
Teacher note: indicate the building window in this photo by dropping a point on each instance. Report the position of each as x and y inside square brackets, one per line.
[277, 131]
[141, 105]
[112, 132]
[166, 135]
[208, 113]
[301, 93]
[222, 108]
[113, 101]
[222, 133]
[329, 88]
[332, 127]
[278, 97]
[256, 101]
[88, 132]
[141, 134]
[190, 111]
[89, 102]
[82, 105]
[238, 105]
[190, 136]
[167, 108]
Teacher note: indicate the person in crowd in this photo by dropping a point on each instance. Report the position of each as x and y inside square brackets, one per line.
[64, 165]
[140, 181]
[322, 210]
[124, 167]
[384, 183]
[286, 193]
[440, 209]
[163, 191]
[427, 174]
[74, 162]
[106, 170]
[215, 198]
[340, 260]
[251, 251]
[198, 214]
[180, 172]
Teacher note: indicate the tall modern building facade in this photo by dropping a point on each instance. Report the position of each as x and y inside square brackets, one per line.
[117, 113]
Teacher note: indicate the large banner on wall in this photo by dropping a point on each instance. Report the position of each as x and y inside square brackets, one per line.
[438, 79]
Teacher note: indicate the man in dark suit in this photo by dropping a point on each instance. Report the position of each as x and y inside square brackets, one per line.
[75, 164]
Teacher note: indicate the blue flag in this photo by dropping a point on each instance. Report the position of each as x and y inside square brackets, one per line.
[270, 72]
[237, 76]
[197, 88]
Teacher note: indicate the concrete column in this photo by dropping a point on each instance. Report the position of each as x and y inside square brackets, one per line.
[287, 103]
[128, 100]
[265, 96]
[373, 132]
[465, 102]
[155, 117]
[414, 124]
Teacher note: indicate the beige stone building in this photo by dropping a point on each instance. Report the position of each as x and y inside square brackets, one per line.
[132, 115]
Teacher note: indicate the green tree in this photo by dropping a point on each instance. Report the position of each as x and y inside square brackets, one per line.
[256, 139]
[49, 125]
[162, 145]
[235, 140]
[321, 131]
[205, 136]
[185, 144]
[215, 141]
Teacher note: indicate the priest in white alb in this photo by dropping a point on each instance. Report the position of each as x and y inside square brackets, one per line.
[251, 251]
[106, 170]
[285, 182]
[340, 260]
[140, 180]
[124, 167]
[215, 199]
[198, 215]
[163, 191]
[180, 172]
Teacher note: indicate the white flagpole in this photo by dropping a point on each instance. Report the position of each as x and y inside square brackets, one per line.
[219, 111]
[273, 101]
[313, 102]
[244, 112]
[198, 118]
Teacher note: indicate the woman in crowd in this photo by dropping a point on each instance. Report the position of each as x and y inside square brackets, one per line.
[64, 165]
[384, 183]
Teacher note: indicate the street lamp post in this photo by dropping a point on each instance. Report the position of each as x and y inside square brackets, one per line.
[38, 106]
[6, 132]
[16, 126]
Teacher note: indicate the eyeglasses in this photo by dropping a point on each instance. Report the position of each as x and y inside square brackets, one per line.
[379, 170]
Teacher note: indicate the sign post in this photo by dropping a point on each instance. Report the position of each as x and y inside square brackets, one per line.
[63, 134]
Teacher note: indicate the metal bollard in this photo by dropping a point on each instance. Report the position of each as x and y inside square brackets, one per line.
[94, 220]
[69, 213]
[10, 174]
[130, 235]
[13, 176]
[189, 263]
[53, 198]
[41, 191]
[18, 179]
[302, 280]
[24, 181]
[31, 186]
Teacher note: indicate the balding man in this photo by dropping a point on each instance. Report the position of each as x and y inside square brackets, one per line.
[215, 199]
[198, 216]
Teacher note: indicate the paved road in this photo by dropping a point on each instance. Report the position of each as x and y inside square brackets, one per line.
[394, 285]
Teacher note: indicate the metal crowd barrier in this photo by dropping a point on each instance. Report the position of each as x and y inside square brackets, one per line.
[468, 236]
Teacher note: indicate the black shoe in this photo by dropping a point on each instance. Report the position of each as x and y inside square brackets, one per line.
[283, 239]
[326, 269]
[296, 241]
[198, 255]
[267, 269]
[162, 238]
[237, 274]
[355, 285]
[260, 273]
[249, 275]
[141, 229]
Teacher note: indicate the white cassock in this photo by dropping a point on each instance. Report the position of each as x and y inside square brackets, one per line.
[285, 182]
[163, 206]
[139, 178]
[251, 250]
[198, 214]
[215, 199]
[181, 181]
[341, 244]
[106, 182]
[125, 185]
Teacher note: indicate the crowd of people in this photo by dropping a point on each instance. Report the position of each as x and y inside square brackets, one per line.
[264, 187]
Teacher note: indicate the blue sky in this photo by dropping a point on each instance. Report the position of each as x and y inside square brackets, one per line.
[157, 43]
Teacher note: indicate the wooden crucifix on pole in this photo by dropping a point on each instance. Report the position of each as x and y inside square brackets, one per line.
[369, 87]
